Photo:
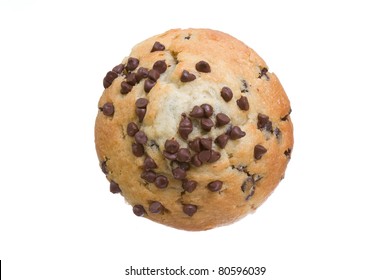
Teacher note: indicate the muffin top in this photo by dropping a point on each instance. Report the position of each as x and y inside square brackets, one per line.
[193, 129]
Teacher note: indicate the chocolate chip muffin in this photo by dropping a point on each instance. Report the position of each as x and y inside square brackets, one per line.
[193, 130]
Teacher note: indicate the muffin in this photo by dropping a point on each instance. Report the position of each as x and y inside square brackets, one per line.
[193, 130]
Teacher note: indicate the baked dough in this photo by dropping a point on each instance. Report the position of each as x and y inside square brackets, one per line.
[193, 129]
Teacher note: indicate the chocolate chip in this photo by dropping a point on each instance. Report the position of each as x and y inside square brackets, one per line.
[156, 207]
[285, 118]
[132, 64]
[104, 168]
[138, 149]
[157, 47]
[197, 112]
[161, 182]
[228, 130]
[263, 72]
[206, 124]
[247, 184]
[148, 85]
[268, 126]
[183, 165]
[179, 173]
[187, 76]
[139, 210]
[248, 187]
[206, 143]
[118, 69]
[184, 155]
[243, 103]
[236, 133]
[140, 137]
[105, 83]
[149, 176]
[226, 94]
[108, 109]
[208, 110]
[111, 75]
[196, 161]
[153, 75]
[215, 186]
[257, 177]
[160, 66]
[126, 87]
[114, 187]
[222, 119]
[241, 168]
[185, 127]
[132, 129]
[109, 78]
[244, 87]
[141, 102]
[141, 112]
[204, 156]
[187, 37]
[131, 79]
[190, 209]
[214, 156]
[189, 185]
[259, 151]
[262, 119]
[278, 133]
[170, 156]
[171, 146]
[142, 73]
[263, 122]
[149, 164]
[222, 140]
[287, 153]
[203, 66]
[195, 145]
[153, 144]
[251, 193]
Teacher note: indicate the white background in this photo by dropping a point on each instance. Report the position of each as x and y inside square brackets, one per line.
[329, 218]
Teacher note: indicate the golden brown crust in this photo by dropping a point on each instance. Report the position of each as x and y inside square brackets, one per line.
[247, 181]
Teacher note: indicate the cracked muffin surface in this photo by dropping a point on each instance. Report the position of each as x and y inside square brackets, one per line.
[193, 130]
